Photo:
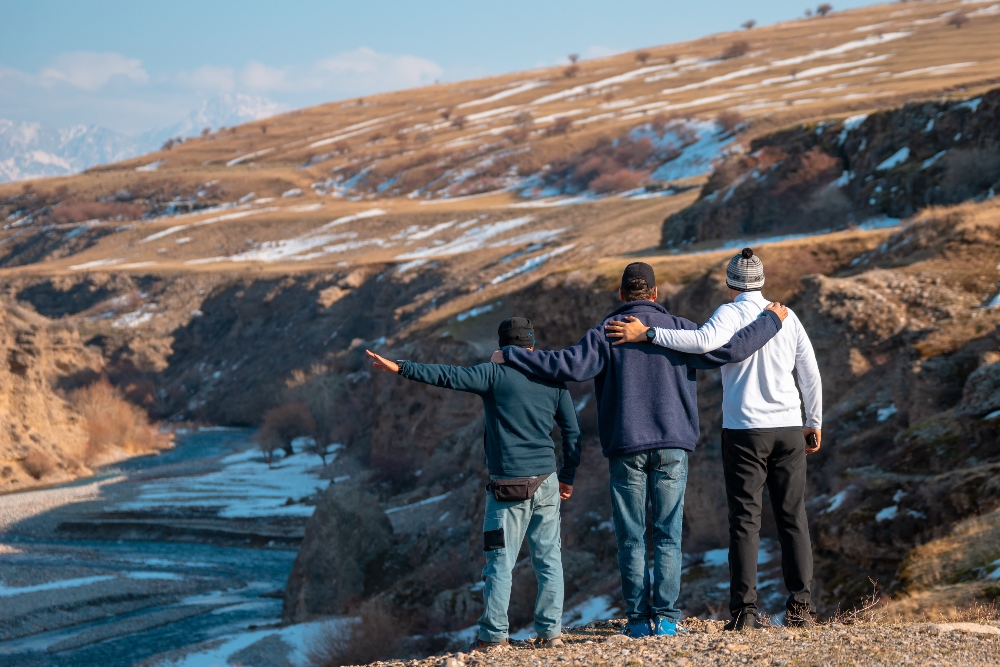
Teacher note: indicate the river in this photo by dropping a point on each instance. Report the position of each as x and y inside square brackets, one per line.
[166, 559]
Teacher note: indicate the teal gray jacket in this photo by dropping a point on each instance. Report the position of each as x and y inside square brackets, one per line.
[520, 410]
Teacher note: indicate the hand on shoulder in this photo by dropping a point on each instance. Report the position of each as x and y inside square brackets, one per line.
[778, 309]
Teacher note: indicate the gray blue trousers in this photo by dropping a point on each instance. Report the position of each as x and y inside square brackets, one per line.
[504, 529]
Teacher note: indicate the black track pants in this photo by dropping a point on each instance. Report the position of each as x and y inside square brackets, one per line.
[752, 458]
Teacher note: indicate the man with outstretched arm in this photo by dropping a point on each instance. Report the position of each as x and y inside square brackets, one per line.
[764, 440]
[524, 493]
[647, 409]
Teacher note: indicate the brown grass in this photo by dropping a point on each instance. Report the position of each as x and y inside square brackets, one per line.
[623, 179]
[735, 50]
[972, 544]
[376, 635]
[38, 464]
[114, 423]
[729, 121]
[104, 210]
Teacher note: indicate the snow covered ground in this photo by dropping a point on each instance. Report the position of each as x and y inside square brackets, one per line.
[246, 487]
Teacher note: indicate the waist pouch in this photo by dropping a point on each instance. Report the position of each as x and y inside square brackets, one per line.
[517, 489]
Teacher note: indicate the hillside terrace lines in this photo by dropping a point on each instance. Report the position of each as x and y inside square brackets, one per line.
[485, 126]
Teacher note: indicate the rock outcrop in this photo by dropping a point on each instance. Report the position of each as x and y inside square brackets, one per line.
[834, 174]
[347, 538]
[42, 439]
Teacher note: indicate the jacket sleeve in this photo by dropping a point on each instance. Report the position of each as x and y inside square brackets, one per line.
[477, 379]
[713, 334]
[584, 361]
[743, 344]
[807, 373]
[572, 439]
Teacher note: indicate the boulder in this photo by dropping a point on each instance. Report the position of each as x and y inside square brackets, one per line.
[981, 395]
[346, 539]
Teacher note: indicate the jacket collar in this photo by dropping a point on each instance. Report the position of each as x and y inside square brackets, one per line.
[638, 306]
[753, 297]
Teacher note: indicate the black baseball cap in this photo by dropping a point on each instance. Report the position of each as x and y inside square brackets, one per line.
[516, 331]
[638, 271]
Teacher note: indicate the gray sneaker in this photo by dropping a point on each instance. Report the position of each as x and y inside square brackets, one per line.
[553, 642]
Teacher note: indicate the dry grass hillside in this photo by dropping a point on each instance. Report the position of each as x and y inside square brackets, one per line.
[246, 271]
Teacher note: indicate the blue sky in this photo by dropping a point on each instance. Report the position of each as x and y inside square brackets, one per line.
[135, 65]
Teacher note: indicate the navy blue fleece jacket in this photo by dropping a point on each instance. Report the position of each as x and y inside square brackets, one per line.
[646, 395]
[520, 410]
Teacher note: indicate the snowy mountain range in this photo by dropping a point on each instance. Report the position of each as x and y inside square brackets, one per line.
[34, 150]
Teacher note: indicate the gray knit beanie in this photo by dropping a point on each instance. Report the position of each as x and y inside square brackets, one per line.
[745, 272]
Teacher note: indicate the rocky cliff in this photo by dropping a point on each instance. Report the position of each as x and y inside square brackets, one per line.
[842, 173]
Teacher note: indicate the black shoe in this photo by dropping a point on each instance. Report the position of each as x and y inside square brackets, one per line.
[744, 620]
[800, 617]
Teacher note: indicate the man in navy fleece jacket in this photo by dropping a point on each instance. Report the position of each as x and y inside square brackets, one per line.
[647, 408]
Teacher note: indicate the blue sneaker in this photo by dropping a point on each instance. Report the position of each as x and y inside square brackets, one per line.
[638, 630]
[666, 627]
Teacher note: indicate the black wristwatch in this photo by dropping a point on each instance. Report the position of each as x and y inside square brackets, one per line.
[650, 334]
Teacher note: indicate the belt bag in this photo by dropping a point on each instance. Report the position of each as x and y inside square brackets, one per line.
[515, 490]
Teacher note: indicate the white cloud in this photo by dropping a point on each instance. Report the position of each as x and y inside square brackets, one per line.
[210, 78]
[261, 78]
[115, 91]
[360, 71]
[91, 71]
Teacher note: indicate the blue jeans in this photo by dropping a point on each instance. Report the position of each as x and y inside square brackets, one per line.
[504, 529]
[656, 479]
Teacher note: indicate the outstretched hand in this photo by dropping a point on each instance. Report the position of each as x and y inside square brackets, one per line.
[383, 364]
[778, 309]
[565, 491]
[630, 330]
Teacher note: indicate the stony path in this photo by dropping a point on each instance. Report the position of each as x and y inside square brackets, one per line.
[16, 507]
[602, 644]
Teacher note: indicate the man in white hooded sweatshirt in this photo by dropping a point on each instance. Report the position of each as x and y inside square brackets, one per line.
[764, 440]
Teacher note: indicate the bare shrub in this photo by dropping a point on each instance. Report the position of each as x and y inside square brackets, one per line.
[422, 138]
[283, 424]
[641, 57]
[809, 12]
[517, 135]
[167, 145]
[102, 210]
[735, 50]
[38, 464]
[321, 448]
[114, 423]
[619, 181]
[524, 118]
[814, 165]
[376, 635]
[561, 125]
[571, 71]
[749, 24]
[573, 57]
[205, 131]
[458, 122]
[672, 59]
[341, 147]
[824, 9]
[659, 123]
[958, 20]
[969, 172]
[444, 113]
[729, 121]
[393, 470]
